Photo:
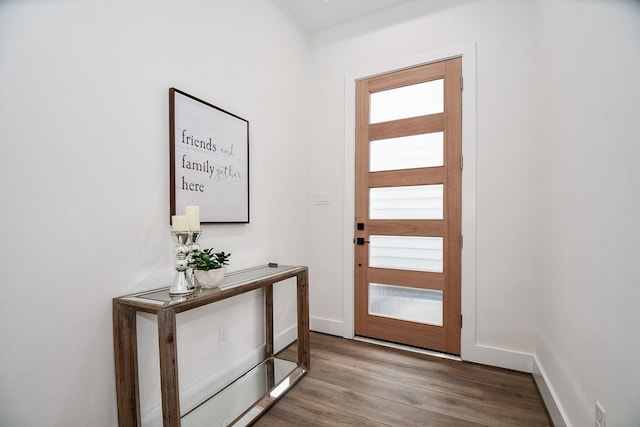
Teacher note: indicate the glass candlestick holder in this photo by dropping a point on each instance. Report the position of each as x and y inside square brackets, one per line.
[194, 246]
[181, 284]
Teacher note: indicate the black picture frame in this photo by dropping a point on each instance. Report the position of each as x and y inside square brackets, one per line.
[209, 160]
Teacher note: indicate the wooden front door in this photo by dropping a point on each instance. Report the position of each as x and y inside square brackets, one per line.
[408, 206]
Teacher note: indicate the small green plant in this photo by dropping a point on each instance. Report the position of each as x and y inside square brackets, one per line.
[206, 260]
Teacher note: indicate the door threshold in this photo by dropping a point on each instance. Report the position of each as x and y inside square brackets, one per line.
[408, 348]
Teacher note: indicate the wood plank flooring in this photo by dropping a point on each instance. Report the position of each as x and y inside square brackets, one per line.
[353, 383]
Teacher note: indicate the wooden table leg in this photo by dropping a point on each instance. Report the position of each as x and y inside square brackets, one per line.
[169, 368]
[268, 297]
[125, 346]
[304, 356]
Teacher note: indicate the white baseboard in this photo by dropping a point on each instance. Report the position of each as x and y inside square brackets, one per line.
[477, 353]
[327, 326]
[498, 357]
[283, 339]
[556, 412]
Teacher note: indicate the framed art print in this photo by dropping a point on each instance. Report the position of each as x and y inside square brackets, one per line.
[209, 156]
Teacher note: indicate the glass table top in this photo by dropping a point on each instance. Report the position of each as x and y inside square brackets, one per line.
[231, 280]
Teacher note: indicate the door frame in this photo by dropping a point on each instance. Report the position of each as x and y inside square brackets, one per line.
[468, 257]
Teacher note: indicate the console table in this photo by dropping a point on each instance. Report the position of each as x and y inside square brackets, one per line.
[274, 375]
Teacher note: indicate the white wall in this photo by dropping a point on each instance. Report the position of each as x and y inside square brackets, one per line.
[506, 156]
[85, 178]
[557, 106]
[84, 166]
[588, 64]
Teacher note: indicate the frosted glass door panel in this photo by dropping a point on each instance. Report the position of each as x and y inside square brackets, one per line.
[406, 253]
[407, 101]
[411, 202]
[412, 304]
[407, 152]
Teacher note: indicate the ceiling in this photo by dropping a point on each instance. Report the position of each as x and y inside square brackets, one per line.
[318, 15]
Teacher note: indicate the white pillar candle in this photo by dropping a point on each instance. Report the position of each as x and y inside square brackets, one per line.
[179, 223]
[193, 217]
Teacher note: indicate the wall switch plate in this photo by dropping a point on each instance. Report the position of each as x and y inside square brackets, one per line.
[321, 198]
[601, 416]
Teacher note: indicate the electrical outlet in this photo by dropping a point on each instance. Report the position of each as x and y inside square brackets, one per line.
[222, 336]
[601, 416]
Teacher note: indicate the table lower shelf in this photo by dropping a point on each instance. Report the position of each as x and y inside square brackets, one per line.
[244, 400]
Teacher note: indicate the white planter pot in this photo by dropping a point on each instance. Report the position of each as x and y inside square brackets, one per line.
[210, 279]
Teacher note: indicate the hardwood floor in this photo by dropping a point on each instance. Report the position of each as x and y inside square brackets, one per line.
[353, 383]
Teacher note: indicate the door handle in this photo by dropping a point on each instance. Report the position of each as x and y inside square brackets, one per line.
[361, 241]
